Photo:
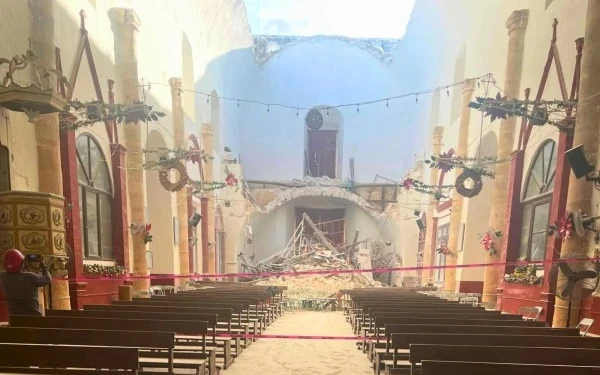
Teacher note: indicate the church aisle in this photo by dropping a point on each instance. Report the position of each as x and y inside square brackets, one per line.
[304, 357]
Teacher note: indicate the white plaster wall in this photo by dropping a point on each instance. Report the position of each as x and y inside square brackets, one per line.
[486, 52]
[273, 231]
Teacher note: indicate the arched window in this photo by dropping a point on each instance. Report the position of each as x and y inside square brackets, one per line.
[536, 203]
[95, 199]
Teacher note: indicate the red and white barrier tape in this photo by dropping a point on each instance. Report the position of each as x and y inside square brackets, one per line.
[322, 272]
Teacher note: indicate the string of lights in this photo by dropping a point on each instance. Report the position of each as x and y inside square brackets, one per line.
[298, 108]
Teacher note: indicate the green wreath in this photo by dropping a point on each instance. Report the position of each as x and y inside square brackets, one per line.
[465, 191]
[163, 177]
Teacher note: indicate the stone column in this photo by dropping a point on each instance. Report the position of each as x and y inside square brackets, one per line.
[182, 195]
[47, 134]
[430, 232]
[579, 196]
[516, 24]
[462, 150]
[207, 144]
[125, 25]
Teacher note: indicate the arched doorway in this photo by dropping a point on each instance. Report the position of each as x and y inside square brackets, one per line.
[220, 254]
[323, 137]
[159, 213]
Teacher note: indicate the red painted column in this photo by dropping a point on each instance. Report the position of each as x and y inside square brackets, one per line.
[558, 209]
[120, 224]
[512, 230]
[68, 155]
[204, 213]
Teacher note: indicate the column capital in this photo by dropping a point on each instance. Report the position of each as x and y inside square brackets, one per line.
[468, 86]
[207, 129]
[176, 83]
[120, 17]
[517, 20]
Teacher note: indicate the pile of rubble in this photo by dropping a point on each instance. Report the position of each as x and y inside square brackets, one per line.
[325, 285]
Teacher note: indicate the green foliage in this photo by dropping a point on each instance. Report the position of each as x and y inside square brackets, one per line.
[90, 113]
[106, 271]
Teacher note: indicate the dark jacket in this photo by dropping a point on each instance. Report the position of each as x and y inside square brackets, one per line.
[21, 291]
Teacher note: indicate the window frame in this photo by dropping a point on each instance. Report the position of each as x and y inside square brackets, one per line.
[539, 199]
[439, 274]
[84, 190]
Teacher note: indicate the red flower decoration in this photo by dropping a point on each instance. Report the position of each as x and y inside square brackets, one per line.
[444, 164]
[148, 227]
[196, 154]
[407, 183]
[487, 241]
[443, 249]
[565, 227]
[230, 180]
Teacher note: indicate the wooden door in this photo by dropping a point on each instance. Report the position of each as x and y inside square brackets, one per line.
[321, 154]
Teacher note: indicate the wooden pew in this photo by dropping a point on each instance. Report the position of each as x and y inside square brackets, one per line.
[192, 360]
[223, 315]
[164, 341]
[223, 351]
[18, 358]
[461, 368]
[502, 354]
[379, 353]
[229, 326]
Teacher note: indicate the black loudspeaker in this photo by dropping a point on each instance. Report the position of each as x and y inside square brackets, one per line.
[578, 162]
[195, 219]
[421, 224]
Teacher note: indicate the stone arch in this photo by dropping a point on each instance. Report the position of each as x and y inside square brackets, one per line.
[215, 120]
[159, 213]
[333, 120]
[288, 195]
[187, 59]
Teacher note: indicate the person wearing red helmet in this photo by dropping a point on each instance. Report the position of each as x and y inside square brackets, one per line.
[21, 287]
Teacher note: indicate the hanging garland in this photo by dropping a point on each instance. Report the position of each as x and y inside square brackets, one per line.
[537, 111]
[438, 191]
[168, 156]
[78, 114]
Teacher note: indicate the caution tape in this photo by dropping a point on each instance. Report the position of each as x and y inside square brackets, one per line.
[321, 272]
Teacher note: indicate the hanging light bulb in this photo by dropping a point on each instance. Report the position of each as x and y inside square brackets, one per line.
[387, 102]
[238, 104]
[447, 91]
[417, 98]
[268, 108]
[297, 112]
[207, 99]
[357, 110]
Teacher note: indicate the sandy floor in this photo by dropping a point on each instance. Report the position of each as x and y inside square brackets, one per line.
[304, 357]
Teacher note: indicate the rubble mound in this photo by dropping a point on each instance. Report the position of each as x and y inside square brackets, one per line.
[319, 285]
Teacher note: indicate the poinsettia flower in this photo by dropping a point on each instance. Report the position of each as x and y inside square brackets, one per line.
[148, 227]
[407, 183]
[230, 180]
[487, 241]
[565, 227]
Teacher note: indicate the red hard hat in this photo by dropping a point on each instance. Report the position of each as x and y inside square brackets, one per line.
[13, 260]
